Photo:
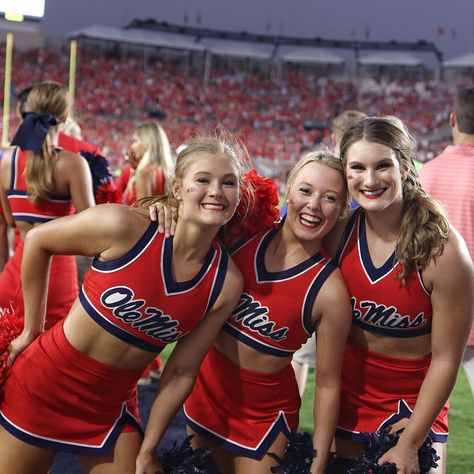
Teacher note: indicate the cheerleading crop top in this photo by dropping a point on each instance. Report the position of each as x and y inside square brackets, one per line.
[136, 298]
[275, 309]
[381, 303]
[21, 206]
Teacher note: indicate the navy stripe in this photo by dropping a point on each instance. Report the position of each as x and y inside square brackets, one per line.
[125, 418]
[115, 330]
[12, 168]
[356, 436]
[219, 279]
[374, 273]
[346, 235]
[30, 218]
[393, 332]
[255, 344]
[236, 246]
[173, 286]
[263, 275]
[131, 254]
[313, 293]
[279, 427]
[17, 192]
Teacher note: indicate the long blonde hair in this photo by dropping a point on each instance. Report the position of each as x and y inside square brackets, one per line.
[157, 148]
[46, 97]
[424, 226]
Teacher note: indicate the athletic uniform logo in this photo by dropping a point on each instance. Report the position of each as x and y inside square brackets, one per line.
[251, 314]
[152, 321]
[379, 315]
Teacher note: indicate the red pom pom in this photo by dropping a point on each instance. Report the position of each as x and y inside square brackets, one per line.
[11, 326]
[257, 210]
[107, 193]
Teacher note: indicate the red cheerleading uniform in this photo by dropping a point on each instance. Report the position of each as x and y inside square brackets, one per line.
[153, 311]
[243, 410]
[62, 287]
[86, 403]
[379, 390]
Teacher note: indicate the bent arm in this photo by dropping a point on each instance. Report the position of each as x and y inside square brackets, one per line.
[452, 301]
[96, 231]
[332, 334]
[182, 367]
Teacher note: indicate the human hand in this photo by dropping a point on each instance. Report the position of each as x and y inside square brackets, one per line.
[148, 464]
[405, 459]
[165, 215]
[16, 346]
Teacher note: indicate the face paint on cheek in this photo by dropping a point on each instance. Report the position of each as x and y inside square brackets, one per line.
[349, 177]
[291, 201]
[191, 190]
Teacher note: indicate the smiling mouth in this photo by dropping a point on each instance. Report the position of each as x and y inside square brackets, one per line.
[213, 206]
[310, 221]
[376, 193]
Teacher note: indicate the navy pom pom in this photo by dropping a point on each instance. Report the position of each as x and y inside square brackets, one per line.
[298, 457]
[375, 446]
[102, 181]
[184, 459]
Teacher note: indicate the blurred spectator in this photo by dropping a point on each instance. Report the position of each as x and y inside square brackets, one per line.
[450, 179]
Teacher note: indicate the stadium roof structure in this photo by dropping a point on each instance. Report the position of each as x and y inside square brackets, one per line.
[463, 61]
[308, 54]
[258, 46]
[139, 36]
[389, 58]
[242, 49]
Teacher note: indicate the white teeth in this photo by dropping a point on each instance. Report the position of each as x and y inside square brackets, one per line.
[373, 193]
[213, 206]
[311, 219]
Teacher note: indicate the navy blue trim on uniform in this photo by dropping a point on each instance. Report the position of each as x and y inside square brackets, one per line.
[116, 330]
[279, 426]
[30, 218]
[236, 246]
[346, 235]
[313, 293]
[263, 275]
[257, 345]
[373, 272]
[131, 254]
[219, 278]
[51, 444]
[173, 286]
[392, 332]
[13, 168]
[17, 192]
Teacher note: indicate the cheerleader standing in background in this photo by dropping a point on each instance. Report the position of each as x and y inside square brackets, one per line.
[150, 164]
[42, 183]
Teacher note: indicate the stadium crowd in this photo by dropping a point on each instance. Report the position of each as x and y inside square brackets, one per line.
[279, 118]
